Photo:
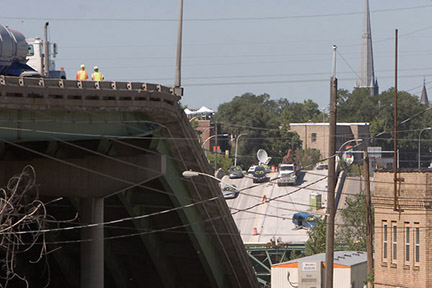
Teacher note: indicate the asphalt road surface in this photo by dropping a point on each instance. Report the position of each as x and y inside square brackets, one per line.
[264, 211]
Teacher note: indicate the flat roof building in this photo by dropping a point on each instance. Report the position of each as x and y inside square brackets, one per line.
[349, 271]
[316, 135]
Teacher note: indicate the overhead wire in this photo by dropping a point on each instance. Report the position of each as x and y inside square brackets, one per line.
[215, 19]
[142, 216]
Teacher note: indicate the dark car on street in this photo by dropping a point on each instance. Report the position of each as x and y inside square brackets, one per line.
[260, 175]
[304, 220]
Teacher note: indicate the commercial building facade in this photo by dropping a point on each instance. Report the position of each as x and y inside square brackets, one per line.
[316, 135]
[403, 234]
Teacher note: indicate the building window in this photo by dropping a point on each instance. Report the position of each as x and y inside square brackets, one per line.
[394, 247]
[407, 242]
[417, 243]
[385, 241]
[313, 137]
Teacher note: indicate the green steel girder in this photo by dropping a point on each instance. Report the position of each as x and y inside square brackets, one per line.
[260, 263]
[101, 177]
[191, 216]
[153, 243]
[262, 256]
[29, 125]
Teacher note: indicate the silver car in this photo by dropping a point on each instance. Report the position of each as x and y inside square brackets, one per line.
[235, 172]
[230, 192]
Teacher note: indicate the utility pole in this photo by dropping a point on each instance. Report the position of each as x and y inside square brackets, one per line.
[178, 90]
[395, 158]
[369, 230]
[331, 178]
[216, 148]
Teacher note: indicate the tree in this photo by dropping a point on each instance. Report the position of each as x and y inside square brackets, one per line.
[300, 112]
[378, 110]
[360, 106]
[259, 117]
[307, 157]
[317, 238]
[222, 161]
[352, 233]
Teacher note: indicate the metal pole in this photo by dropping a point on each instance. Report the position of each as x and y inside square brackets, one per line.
[395, 129]
[428, 128]
[216, 142]
[331, 178]
[177, 83]
[46, 52]
[235, 154]
[369, 230]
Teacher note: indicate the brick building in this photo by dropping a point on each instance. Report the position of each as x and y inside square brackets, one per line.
[316, 135]
[403, 238]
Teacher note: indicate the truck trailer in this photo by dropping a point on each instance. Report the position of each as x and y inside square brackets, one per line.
[29, 57]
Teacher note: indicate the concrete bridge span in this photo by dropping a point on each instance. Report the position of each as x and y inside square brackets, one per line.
[108, 158]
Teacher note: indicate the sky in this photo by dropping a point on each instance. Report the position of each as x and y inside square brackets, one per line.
[279, 47]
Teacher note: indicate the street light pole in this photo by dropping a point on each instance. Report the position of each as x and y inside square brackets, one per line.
[428, 128]
[212, 136]
[351, 140]
[235, 154]
[190, 174]
[339, 151]
[202, 146]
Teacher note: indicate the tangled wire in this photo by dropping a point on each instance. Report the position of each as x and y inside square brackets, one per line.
[20, 211]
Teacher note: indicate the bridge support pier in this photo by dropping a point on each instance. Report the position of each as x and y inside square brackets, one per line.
[92, 247]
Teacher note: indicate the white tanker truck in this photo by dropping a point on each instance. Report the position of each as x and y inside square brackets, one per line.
[26, 57]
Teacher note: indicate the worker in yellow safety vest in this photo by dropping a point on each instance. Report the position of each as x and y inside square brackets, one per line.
[82, 74]
[97, 76]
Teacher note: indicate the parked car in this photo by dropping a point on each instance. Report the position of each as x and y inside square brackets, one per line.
[321, 166]
[304, 220]
[251, 169]
[260, 174]
[235, 172]
[230, 191]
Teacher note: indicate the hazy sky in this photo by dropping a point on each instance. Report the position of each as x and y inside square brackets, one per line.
[279, 47]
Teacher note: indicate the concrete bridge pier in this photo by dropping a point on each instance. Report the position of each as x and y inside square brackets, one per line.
[92, 247]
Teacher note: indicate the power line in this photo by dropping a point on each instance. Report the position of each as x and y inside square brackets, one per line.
[213, 19]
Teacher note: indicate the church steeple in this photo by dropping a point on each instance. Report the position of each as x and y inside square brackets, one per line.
[424, 98]
[366, 77]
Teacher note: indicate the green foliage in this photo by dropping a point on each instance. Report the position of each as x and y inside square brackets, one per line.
[222, 162]
[260, 118]
[353, 233]
[294, 255]
[307, 158]
[300, 112]
[317, 238]
[370, 278]
[353, 170]
[361, 106]
[266, 123]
